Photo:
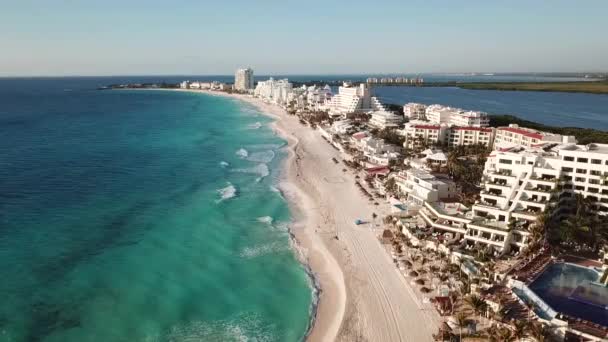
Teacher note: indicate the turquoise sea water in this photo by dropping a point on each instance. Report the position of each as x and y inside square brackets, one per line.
[117, 220]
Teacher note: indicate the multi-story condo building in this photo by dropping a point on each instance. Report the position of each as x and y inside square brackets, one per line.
[420, 186]
[417, 132]
[384, 119]
[521, 183]
[414, 111]
[243, 79]
[353, 100]
[460, 135]
[276, 91]
[439, 114]
[507, 137]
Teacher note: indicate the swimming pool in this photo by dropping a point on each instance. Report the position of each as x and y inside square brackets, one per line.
[570, 289]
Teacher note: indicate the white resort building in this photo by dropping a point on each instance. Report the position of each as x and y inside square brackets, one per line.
[414, 111]
[243, 79]
[464, 135]
[512, 135]
[521, 183]
[275, 91]
[385, 119]
[438, 114]
[352, 99]
[420, 186]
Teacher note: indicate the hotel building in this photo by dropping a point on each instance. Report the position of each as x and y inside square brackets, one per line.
[459, 135]
[353, 100]
[512, 135]
[414, 111]
[439, 114]
[420, 186]
[384, 119]
[275, 91]
[243, 79]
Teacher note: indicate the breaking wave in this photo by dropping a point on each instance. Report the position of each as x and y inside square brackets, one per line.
[262, 157]
[244, 327]
[224, 164]
[254, 125]
[227, 192]
[269, 248]
[261, 170]
[242, 153]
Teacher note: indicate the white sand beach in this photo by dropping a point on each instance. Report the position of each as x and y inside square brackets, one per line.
[363, 296]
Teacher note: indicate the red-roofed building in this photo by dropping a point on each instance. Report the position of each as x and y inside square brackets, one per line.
[416, 132]
[470, 136]
[527, 137]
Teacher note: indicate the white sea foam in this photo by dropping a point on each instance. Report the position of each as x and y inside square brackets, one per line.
[227, 192]
[265, 219]
[261, 170]
[262, 156]
[243, 328]
[269, 248]
[242, 153]
[224, 164]
[254, 125]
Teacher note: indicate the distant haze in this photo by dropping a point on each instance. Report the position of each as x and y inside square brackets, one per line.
[313, 37]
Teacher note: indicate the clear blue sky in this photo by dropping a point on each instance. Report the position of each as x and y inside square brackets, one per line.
[109, 37]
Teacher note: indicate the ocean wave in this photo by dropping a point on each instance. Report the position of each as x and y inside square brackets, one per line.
[242, 153]
[269, 248]
[261, 170]
[244, 327]
[254, 125]
[227, 192]
[265, 219]
[262, 156]
[224, 164]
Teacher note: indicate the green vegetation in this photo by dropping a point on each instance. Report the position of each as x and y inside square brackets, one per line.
[583, 135]
[592, 87]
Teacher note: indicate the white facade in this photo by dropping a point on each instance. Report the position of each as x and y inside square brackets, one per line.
[460, 135]
[243, 79]
[438, 114]
[353, 100]
[420, 131]
[385, 119]
[275, 91]
[421, 186]
[527, 137]
[414, 111]
[519, 185]
[378, 152]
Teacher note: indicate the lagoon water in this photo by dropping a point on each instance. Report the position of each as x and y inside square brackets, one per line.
[142, 216]
[550, 108]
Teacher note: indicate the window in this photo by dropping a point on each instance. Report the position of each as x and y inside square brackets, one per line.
[583, 171]
[594, 181]
[596, 161]
[505, 161]
[579, 187]
[567, 169]
[567, 178]
[593, 190]
[567, 158]
[582, 160]
[595, 173]
[579, 179]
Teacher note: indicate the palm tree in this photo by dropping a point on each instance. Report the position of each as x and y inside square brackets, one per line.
[476, 303]
[521, 328]
[539, 332]
[461, 320]
[506, 335]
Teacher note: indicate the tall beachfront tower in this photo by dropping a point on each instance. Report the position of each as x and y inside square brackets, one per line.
[243, 79]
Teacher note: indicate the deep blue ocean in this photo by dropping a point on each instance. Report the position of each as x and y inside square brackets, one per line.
[142, 216]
